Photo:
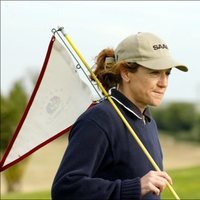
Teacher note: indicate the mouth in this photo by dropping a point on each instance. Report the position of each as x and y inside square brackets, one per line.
[159, 93]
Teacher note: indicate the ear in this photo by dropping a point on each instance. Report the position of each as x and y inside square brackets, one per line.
[125, 75]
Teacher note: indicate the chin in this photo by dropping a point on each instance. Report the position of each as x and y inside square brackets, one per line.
[155, 103]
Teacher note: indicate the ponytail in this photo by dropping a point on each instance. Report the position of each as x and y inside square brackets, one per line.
[106, 69]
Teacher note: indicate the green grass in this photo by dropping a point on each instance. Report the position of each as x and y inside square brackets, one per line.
[29, 195]
[186, 183]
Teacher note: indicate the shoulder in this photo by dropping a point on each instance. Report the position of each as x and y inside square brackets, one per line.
[97, 118]
[92, 123]
[99, 112]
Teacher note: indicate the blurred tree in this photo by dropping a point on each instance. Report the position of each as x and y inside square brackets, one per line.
[12, 108]
[196, 130]
[177, 118]
[180, 116]
[160, 117]
[6, 113]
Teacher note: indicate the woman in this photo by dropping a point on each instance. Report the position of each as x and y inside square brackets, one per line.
[102, 160]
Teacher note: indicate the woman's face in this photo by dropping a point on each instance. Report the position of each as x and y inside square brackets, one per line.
[145, 87]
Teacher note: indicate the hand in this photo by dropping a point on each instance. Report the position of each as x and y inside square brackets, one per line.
[155, 182]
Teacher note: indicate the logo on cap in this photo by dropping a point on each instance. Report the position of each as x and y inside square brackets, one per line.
[160, 46]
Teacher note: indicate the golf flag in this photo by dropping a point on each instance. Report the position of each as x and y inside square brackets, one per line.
[58, 98]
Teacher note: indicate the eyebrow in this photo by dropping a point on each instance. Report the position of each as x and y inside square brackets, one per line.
[148, 69]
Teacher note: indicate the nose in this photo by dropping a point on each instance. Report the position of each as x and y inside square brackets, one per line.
[163, 80]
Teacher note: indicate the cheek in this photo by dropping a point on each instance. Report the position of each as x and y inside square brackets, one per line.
[146, 92]
[141, 89]
[146, 86]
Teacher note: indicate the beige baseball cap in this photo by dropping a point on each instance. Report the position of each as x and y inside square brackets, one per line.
[148, 50]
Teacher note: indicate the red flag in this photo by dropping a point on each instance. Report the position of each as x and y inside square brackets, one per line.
[59, 97]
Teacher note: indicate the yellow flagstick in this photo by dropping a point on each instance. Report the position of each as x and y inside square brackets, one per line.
[118, 112]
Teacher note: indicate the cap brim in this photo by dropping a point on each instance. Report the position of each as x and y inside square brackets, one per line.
[163, 63]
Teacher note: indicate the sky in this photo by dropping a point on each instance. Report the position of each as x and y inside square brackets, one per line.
[94, 25]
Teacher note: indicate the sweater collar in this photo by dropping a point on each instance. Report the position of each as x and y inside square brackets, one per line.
[128, 105]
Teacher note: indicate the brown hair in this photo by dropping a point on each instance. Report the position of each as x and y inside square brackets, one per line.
[108, 73]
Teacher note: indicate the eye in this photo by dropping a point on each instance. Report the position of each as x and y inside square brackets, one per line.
[155, 72]
[168, 73]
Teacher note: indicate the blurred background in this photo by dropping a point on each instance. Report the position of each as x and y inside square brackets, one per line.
[25, 35]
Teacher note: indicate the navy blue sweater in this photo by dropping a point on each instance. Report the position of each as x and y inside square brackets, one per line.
[102, 160]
